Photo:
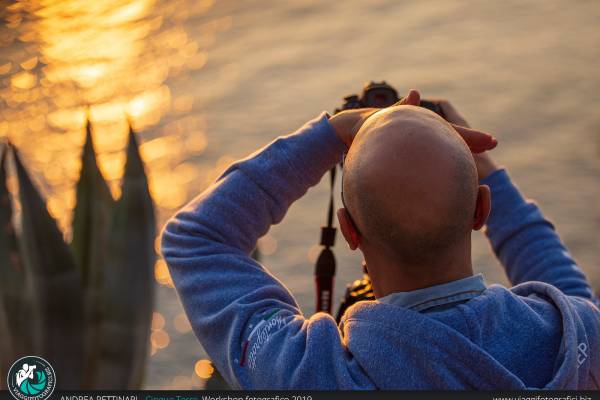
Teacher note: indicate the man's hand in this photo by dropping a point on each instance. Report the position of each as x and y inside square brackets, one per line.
[483, 161]
[346, 124]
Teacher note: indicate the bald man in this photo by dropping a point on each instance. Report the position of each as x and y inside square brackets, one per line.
[415, 187]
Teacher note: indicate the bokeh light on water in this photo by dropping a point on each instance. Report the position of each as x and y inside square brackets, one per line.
[111, 60]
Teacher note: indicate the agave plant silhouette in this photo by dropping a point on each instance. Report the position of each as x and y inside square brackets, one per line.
[85, 306]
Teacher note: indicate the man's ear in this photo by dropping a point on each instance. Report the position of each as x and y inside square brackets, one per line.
[482, 207]
[348, 229]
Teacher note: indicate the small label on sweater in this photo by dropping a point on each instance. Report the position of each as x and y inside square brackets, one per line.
[582, 354]
[259, 335]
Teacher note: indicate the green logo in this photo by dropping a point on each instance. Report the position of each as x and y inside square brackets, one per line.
[31, 378]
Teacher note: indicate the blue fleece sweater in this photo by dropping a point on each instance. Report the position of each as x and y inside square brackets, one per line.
[542, 333]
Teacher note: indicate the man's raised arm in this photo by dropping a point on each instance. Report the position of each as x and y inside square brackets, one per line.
[526, 242]
[247, 321]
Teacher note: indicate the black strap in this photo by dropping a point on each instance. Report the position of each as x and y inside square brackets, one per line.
[325, 267]
[328, 232]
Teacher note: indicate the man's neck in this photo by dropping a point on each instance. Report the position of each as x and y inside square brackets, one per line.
[388, 277]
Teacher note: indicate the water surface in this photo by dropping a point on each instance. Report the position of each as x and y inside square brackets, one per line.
[206, 82]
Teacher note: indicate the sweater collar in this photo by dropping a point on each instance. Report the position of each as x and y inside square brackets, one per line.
[438, 297]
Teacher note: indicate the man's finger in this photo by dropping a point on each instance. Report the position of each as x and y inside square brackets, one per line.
[477, 141]
[413, 98]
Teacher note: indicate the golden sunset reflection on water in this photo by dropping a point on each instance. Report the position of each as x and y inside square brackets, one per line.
[112, 60]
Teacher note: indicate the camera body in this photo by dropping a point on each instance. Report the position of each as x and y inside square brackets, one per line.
[359, 290]
[381, 95]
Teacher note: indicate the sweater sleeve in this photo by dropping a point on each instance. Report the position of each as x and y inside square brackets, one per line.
[247, 320]
[527, 244]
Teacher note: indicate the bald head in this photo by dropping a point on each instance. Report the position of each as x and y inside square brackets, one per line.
[410, 185]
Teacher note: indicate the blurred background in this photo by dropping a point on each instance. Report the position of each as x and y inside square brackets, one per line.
[205, 82]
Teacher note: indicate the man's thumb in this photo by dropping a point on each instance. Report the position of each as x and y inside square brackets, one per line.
[413, 98]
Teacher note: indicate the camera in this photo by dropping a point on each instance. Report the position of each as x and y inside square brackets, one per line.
[380, 95]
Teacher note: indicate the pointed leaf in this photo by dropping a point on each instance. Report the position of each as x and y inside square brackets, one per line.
[15, 293]
[91, 215]
[90, 236]
[129, 280]
[56, 283]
